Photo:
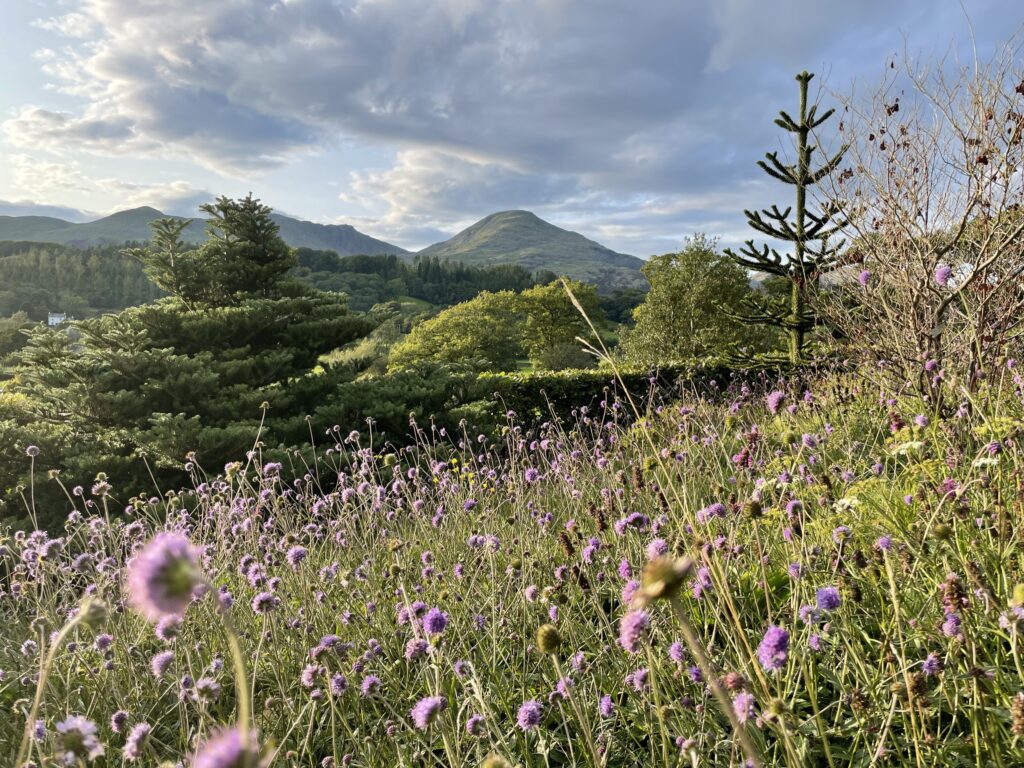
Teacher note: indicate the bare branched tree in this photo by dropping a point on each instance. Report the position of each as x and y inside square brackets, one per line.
[931, 287]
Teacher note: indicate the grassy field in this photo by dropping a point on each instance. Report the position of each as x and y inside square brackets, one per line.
[803, 576]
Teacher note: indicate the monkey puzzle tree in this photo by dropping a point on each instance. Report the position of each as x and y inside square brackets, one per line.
[806, 230]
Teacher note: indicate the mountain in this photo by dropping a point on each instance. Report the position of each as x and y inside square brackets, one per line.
[521, 237]
[133, 225]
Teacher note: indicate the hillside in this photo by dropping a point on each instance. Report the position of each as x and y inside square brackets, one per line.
[125, 226]
[522, 238]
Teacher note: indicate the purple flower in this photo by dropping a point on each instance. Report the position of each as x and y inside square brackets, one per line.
[475, 725]
[162, 577]
[774, 401]
[942, 274]
[829, 599]
[743, 706]
[932, 665]
[606, 706]
[370, 685]
[118, 721]
[676, 652]
[656, 549]
[435, 622]
[77, 737]
[532, 475]
[633, 627]
[339, 684]
[529, 715]
[159, 663]
[227, 749]
[426, 710]
[168, 628]
[952, 626]
[265, 602]
[864, 277]
[774, 648]
[206, 690]
[136, 741]
[295, 556]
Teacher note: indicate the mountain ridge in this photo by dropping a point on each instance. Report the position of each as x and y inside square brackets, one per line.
[133, 225]
[521, 237]
[516, 237]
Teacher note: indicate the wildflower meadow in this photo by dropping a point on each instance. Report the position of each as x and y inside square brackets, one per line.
[809, 572]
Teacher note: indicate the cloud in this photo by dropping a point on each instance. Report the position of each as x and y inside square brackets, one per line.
[29, 208]
[485, 104]
[42, 179]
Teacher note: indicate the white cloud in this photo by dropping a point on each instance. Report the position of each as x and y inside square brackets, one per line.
[42, 179]
[552, 105]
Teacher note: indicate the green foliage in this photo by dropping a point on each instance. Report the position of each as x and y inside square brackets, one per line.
[495, 330]
[370, 280]
[485, 332]
[171, 378]
[41, 278]
[553, 322]
[809, 233]
[681, 318]
[531, 394]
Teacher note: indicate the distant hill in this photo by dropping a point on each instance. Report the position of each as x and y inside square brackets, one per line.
[133, 225]
[522, 238]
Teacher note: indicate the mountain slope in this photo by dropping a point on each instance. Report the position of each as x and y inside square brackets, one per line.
[520, 237]
[133, 225]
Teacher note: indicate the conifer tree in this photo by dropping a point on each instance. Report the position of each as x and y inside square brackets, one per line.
[807, 231]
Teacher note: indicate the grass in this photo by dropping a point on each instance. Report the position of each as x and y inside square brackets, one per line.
[746, 513]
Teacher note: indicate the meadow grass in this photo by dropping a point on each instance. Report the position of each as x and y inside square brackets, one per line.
[816, 575]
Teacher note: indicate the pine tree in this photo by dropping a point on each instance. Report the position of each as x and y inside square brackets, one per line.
[808, 232]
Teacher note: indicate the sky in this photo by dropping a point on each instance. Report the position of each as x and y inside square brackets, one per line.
[634, 122]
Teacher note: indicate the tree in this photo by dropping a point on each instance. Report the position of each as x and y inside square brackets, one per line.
[485, 331]
[681, 318]
[167, 379]
[933, 197]
[244, 254]
[553, 323]
[170, 266]
[803, 267]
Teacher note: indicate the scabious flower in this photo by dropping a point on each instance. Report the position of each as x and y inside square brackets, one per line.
[633, 628]
[743, 706]
[864, 277]
[829, 599]
[529, 715]
[435, 622]
[118, 721]
[475, 725]
[774, 648]
[932, 665]
[339, 684]
[774, 401]
[370, 685]
[295, 556]
[168, 627]
[265, 602]
[163, 576]
[136, 741]
[657, 548]
[952, 626]
[426, 711]
[76, 738]
[227, 749]
[160, 662]
[942, 274]
[606, 707]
